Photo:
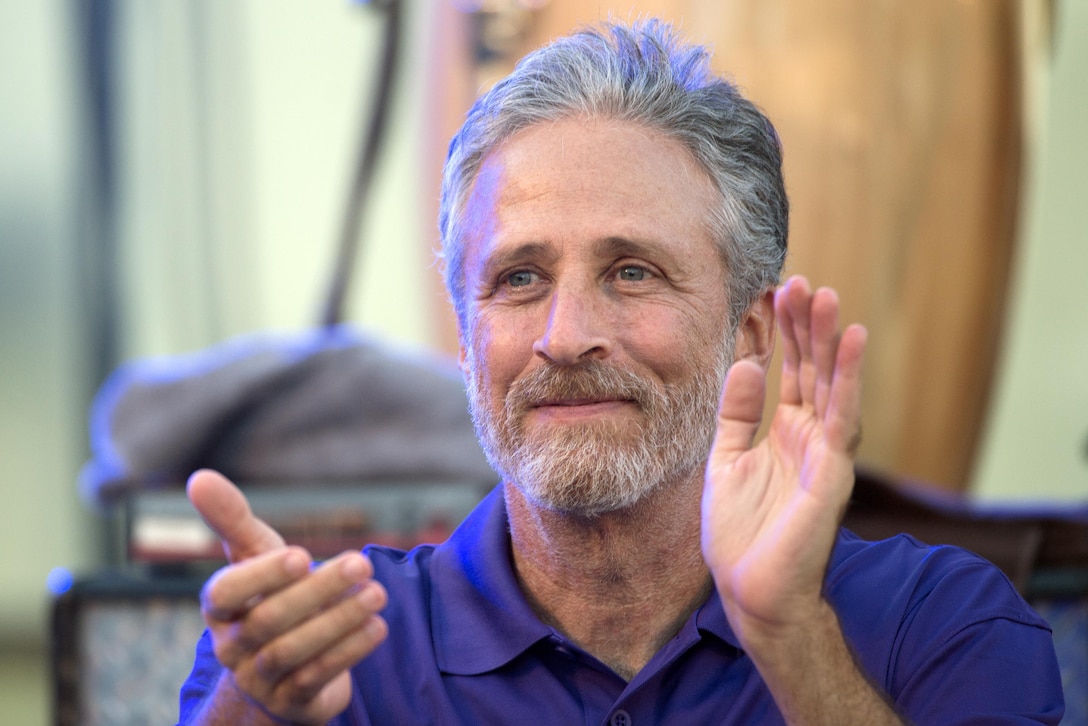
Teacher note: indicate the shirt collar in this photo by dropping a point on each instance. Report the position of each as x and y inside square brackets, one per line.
[710, 618]
[480, 618]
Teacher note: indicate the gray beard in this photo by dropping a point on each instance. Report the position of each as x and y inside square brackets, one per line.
[600, 466]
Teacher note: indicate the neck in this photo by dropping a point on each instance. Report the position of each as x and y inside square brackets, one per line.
[619, 585]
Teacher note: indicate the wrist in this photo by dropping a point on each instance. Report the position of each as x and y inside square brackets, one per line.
[803, 628]
[810, 669]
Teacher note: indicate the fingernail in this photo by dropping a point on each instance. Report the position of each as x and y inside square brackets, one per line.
[296, 564]
[374, 627]
[354, 568]
[370, 598]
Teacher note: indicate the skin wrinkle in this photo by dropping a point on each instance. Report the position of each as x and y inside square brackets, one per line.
[607, 482]
[600, 465]
[480, 225]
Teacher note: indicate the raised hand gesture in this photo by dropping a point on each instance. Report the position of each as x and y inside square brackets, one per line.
[771, 511]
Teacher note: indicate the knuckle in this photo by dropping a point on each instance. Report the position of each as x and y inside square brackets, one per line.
[270, 662]
[224, 652]
[854, 443]
[260, 624]
[246, 635]
[305, 683]
[211, 597]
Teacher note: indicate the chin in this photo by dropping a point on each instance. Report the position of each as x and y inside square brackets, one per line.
[588, 498]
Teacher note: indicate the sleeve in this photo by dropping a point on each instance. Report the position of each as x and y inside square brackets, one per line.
[972, 651]
[201, 681]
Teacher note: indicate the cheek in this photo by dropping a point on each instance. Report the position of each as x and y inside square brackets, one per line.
[680, 346]
[496, 357]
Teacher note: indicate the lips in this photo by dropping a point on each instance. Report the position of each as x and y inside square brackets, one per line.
[573, 410]
[578, 402]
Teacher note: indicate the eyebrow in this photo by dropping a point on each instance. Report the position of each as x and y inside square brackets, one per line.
[625, 247]
[520, 254]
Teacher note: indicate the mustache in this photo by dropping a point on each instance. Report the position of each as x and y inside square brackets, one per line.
[588, 380]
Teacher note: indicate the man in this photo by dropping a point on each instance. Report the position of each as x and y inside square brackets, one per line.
[614, 226]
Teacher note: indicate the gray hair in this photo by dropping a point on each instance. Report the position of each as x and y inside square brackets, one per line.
[645, 74]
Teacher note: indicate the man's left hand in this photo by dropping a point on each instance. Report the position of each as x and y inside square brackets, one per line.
[771, 511]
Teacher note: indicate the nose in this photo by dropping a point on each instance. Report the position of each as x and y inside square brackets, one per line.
[576, 329]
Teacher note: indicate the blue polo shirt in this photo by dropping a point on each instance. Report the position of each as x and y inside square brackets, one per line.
[941, 631]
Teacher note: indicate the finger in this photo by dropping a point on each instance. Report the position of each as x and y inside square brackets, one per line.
[789, 382]
[844, 406]
[319, 637]
[798, 302]
[225, 509]
[235, 589]
[288, 608]
[825, 343]
[306, 682]
[739, 412]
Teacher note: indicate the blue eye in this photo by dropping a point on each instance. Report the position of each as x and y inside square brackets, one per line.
[520, 278]
[631, 273]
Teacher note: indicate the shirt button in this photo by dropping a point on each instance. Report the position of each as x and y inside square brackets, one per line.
[621, 718]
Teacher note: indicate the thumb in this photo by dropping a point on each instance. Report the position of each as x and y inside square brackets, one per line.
[224, 508]
[740, 411]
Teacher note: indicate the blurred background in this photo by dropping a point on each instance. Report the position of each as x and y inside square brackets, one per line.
[174, 174]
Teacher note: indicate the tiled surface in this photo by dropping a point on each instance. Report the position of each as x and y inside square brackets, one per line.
[142, 653]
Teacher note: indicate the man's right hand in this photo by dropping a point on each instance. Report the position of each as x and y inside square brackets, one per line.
[286, 633]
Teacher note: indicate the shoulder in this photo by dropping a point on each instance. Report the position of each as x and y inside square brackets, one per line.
[915, 614]
[902, 579]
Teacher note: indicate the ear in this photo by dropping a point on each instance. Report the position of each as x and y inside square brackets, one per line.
[755, 334]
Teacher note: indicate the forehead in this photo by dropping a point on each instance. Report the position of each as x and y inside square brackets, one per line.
[585, 179]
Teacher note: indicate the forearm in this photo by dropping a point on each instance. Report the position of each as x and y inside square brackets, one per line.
[813, 676]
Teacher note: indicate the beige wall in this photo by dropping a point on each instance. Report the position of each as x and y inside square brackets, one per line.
[41, 523]
[284, 86]
[1036, 444]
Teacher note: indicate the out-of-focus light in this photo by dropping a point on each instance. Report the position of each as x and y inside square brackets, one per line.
[59, 580]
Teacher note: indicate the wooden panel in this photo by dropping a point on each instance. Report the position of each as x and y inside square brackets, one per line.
[902, 133]
[901, 125]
